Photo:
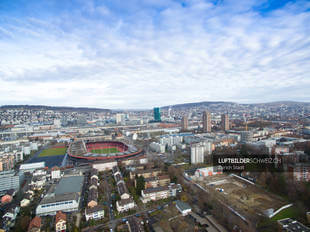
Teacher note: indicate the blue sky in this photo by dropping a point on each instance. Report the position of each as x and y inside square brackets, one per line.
[142, 53]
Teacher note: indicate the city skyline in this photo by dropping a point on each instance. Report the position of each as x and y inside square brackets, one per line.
[138, 54]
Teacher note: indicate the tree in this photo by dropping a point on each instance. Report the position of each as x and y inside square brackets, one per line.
[184, 197]
[140, 185]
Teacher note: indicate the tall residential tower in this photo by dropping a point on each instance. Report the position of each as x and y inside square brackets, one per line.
[184, 123]
[206, 121]
[225, 122]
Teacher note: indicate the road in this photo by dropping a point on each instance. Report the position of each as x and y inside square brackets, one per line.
[109, 198]
[112, 224]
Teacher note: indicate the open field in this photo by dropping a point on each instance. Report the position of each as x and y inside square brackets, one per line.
[105, 150]
[53, 151]
[245, 198]
[169, 219]
[290, 212]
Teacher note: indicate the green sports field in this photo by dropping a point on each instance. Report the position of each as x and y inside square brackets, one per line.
[53, 151]
[105, 150]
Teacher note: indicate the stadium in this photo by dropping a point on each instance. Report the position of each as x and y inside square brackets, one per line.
[101, 150]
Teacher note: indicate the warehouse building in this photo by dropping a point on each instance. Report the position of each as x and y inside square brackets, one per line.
[64, 196]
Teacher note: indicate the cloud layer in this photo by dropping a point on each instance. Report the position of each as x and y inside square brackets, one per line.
[140, 54]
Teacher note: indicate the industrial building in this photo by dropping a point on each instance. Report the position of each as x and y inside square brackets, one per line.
[31, 167]
[64, 196]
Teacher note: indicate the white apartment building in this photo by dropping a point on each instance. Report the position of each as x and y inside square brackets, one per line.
[124, 205]
[197, 153]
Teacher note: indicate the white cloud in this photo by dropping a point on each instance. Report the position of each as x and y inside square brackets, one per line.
[150, 56]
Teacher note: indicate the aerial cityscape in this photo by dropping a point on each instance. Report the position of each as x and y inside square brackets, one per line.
[155, 116]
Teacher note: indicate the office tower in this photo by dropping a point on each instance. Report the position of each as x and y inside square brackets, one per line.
[206, 120]
[197, 154]
[184, 123]
[157, 114]
[246, 136]
[120, 119]
[225, 122]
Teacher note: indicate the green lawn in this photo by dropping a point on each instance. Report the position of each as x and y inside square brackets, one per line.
[290, 212]
[270, 224]
[53, 152]
[105, 150]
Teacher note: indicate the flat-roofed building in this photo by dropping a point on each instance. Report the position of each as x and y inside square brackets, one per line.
[55, 173]
[9, 180]
[145, 173]
[158, 193]
[31, 167]
[300, 171]
[183, 207]
[156, 181]
[135, 160]
[64, 196]
[104, 165]
[290, 225]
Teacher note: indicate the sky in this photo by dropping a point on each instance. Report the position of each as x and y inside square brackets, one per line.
[144, 53]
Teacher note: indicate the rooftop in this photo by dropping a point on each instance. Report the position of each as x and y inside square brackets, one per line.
[291, 225]
[60, 216]
[157, 189]
[35, 223]
[94, 209]
[182, 205]
[70, 184]
[59, 198]
[123, 202]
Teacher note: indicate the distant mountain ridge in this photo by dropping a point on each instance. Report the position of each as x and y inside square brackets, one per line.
[197, 104]
[208, 103]
[176, 106]
[59, 108]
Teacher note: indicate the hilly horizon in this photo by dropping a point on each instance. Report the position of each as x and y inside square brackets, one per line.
[181, 105]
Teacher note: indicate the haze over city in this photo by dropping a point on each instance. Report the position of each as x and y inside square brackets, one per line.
[137, 54]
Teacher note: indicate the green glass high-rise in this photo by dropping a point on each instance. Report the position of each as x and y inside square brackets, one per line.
[157, 114]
